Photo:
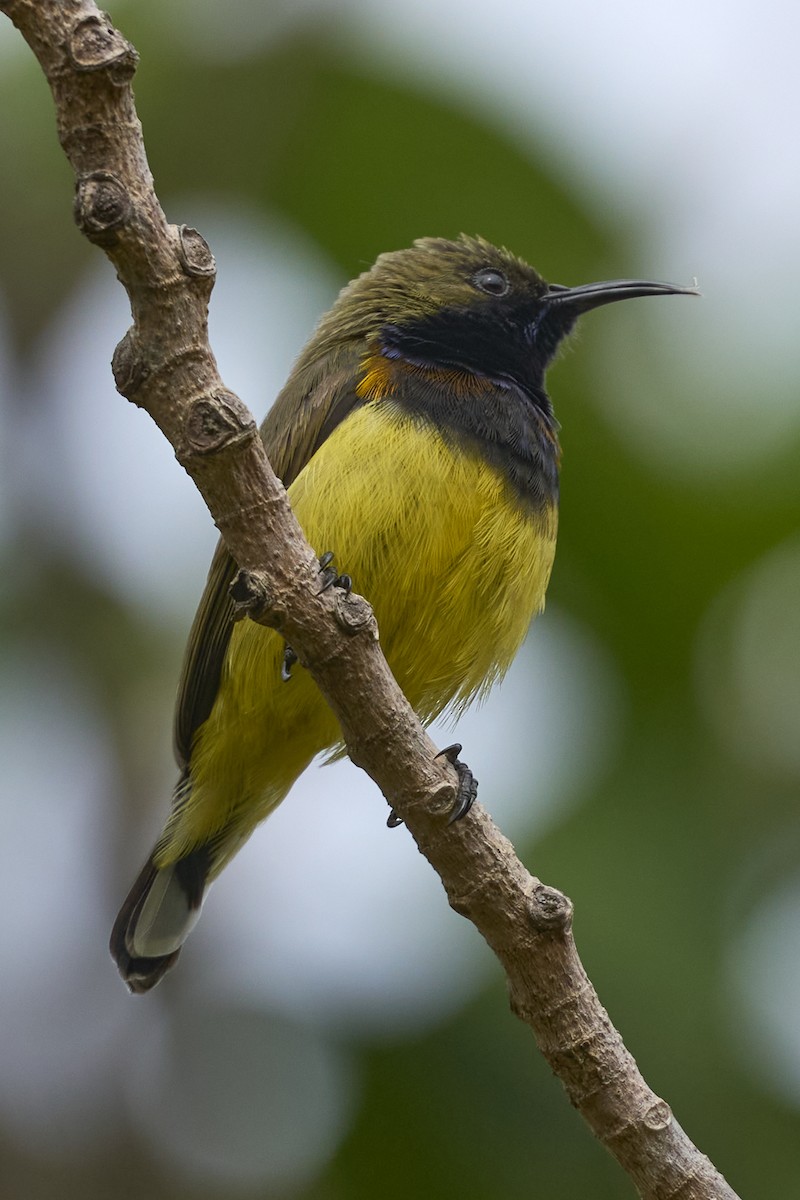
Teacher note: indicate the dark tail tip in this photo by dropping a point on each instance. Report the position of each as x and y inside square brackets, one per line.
[140, 974]
[160, 921]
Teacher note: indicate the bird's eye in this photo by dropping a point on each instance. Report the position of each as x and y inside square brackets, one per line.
[491, 281]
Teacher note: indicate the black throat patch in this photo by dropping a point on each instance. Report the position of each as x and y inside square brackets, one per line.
[492, 417]
[433, 373]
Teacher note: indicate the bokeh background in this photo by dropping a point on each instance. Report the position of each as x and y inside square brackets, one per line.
[334, 1030]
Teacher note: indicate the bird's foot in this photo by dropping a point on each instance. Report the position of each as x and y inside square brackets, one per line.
[289, 659]
[330, 577]
[466, 792]
[467, 789]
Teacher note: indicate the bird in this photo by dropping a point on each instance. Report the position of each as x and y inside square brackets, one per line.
[417, 442]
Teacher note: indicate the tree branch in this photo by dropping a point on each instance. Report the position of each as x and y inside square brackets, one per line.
[165, 365]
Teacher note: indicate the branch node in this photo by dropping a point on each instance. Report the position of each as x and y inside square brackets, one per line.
[441, 799]
[102, 205]
[128, 366]
[549, 909]
[353, 614]
[435, 801]
[95, 45]
[658, 1116]
[216, 422]
[251, 596]
[195, 254]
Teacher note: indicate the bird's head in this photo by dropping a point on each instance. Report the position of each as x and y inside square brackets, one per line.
[470, 305]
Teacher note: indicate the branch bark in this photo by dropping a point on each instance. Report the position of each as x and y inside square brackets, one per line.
[165, 365]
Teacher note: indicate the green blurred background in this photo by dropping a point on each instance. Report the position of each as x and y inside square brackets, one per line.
[333, 1030]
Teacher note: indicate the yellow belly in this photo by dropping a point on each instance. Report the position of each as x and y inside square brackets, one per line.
[455, 567]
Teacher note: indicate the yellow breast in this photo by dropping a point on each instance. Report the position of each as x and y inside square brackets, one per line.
[455, 566]
[453, 562]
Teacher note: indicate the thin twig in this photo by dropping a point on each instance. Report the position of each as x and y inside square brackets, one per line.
[165, 365]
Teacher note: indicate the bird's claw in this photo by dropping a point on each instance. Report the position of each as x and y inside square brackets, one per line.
[331, 577]
[289, 659]
[467, 790]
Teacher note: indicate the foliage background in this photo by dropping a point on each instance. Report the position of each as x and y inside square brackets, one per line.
[333, 1029]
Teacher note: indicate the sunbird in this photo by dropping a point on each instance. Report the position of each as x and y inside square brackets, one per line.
[417, 442]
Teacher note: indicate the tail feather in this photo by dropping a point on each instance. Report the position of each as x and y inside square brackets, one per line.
[159, 912]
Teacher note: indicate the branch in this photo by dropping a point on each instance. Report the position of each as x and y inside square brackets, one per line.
[165, 365]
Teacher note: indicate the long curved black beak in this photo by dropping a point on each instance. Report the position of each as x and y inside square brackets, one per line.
[591, 295]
